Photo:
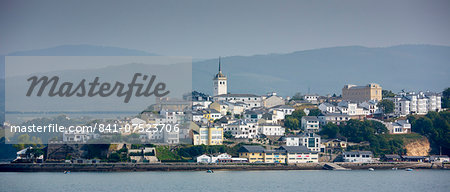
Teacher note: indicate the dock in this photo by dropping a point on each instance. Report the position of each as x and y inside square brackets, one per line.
[332, 166]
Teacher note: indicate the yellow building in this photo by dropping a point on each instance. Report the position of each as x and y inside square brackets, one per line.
[284, 154]
[207, 135]
[355, 93]
[254, 153]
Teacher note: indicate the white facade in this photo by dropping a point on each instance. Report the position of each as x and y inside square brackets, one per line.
[357, 156]
[271, 129]
[250, 100]
[292, 141]
[335, 118]
[310, 141]
[310, 123]
[412, 103]
[242, 129]
[398, 127]
[311, 98]
[327, 108]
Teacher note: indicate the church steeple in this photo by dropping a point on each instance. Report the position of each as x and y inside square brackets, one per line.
[220, 81]
[219, 65]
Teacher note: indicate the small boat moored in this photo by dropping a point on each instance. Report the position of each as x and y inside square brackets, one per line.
[409, 169]
[371, 169]
[209, 171]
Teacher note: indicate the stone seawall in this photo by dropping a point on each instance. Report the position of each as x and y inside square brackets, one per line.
[108, 167]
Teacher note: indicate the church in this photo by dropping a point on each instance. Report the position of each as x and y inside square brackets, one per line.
[221, 94]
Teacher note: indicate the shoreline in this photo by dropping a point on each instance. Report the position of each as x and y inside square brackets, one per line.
[130, 167]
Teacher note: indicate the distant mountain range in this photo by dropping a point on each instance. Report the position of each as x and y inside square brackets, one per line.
[323, 71]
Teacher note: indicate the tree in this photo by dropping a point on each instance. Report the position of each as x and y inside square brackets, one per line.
[446, 98]
[329, 130]
[227, 135]
[292, 123]
[387, 106]
[387, 93]
[314, 112]
[297, 96]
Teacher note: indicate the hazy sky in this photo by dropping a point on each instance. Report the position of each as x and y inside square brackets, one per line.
[205, 29]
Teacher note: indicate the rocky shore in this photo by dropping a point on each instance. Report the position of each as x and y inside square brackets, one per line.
[108, 167]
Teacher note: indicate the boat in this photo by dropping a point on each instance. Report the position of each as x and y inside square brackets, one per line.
[209, 171]
[394, 168]
[371, 169]
[409, 169]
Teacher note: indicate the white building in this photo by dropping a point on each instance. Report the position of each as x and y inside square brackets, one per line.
[253, 115]
[292, 140]
[371, 106]
[311, 141]
[242, 129]
[272, 100]
[310, 123]
[357, 156]
[336, 118]
[250, 100]
[299, 154]
[412, 103]
[220, 83]
[271, 129]
[351, 108]
[398, 127]
[311, 98]
[204, 159]
[327, 108]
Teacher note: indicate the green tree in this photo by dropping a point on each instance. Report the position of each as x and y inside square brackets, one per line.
[292, 123]
[314, 112]
[387, 106]
[227, 135]
[329, 130]
[387, 93]
[446, 98]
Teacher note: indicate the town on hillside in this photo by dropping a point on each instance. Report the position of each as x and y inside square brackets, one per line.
[363, 124]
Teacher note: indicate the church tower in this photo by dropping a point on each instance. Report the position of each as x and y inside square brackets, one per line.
[220, 82]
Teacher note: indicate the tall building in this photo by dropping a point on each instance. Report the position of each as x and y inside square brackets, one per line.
[355, 93]
[220, 83]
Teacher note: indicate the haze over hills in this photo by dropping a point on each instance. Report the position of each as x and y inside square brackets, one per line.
[323, 71]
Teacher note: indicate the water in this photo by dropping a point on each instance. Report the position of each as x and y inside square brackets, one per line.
[258, 181]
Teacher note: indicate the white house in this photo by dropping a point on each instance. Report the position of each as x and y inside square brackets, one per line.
[327, 108]
[242, 129]
[357, 156]
[310, 123]
[311, 98]
[272, 100]
[335, 118]
[271, 129]
[398, 127]
[253, 115]
[221, 157]
[204, 159]
[292, 140]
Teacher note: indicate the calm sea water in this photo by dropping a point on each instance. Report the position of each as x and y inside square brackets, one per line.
[357, 180]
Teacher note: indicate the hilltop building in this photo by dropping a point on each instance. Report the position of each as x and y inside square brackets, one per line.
[356, 93]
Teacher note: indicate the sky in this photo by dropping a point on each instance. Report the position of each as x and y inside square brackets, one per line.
[208, 29]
